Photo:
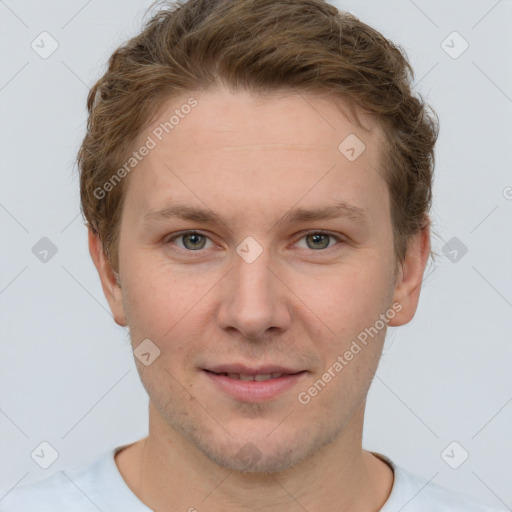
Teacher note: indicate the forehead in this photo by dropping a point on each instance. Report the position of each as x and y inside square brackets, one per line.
[261, 120]
[281, 146]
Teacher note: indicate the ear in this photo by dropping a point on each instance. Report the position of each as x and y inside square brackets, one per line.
[111, 288]
[410, 277]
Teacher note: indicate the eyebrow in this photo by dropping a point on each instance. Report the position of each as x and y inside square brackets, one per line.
[206, 216]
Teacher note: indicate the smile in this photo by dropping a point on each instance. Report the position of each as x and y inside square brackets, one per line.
[258, 387]
[259, 378]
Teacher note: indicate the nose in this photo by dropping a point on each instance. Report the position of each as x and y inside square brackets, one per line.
[254, 298]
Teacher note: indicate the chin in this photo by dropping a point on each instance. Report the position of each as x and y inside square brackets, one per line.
[248, 458]
[261, 453]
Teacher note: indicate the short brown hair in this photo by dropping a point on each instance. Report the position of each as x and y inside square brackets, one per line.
[261, 46]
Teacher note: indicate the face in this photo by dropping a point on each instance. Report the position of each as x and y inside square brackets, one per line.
[257, 285]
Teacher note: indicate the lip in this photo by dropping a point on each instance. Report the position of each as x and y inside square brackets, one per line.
[247, 370]
[254, 391]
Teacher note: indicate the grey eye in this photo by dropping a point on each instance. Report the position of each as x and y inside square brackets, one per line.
[197, 241]
[318, 240]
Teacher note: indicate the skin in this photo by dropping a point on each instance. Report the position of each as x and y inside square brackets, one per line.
[301, 303]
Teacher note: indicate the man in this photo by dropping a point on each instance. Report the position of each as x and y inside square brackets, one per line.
[256, 177]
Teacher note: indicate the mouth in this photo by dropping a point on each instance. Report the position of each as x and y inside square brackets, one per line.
[254, 384]
[259, 377]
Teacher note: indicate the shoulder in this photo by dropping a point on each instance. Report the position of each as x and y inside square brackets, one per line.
[87, 489]
[415, 493]
[429, 496]
[53, 493]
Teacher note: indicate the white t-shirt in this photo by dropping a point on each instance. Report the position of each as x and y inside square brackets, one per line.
[100, 487]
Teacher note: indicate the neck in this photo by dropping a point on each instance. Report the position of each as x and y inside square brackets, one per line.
[166, 472]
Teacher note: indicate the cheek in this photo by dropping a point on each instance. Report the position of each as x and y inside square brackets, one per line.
[164, 304]
[350, 297]
[167, 313]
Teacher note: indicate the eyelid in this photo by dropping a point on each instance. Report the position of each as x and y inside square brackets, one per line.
[179, 234]
[339, 238]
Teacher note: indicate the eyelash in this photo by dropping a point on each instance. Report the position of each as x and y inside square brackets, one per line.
[193, 232]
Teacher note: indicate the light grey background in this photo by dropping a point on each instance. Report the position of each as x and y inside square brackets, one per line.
[66, 370]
